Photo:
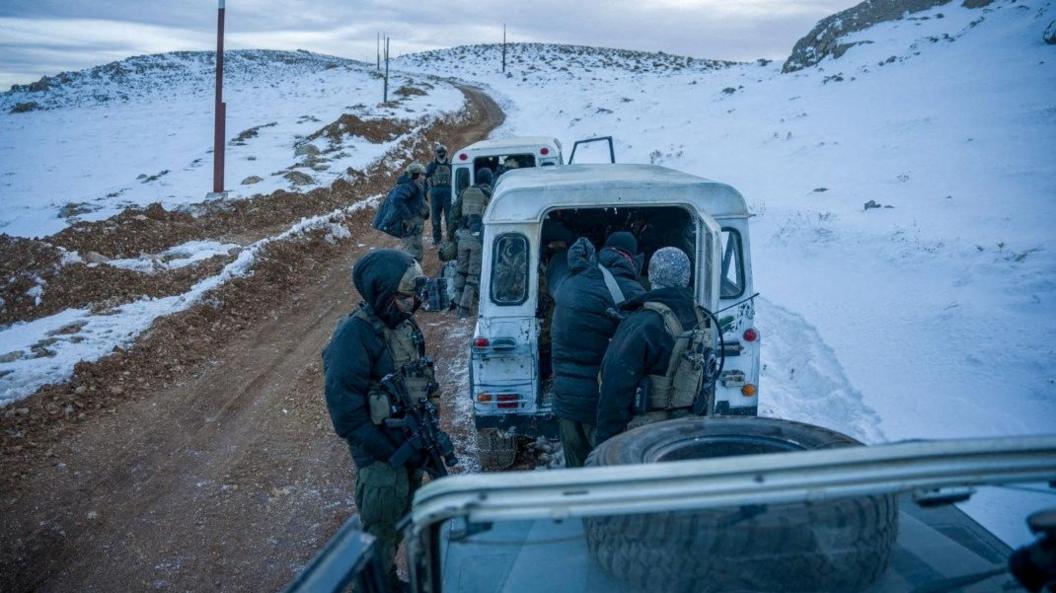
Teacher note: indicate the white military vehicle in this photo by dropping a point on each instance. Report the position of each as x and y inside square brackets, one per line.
[501, 155]
[510, 364]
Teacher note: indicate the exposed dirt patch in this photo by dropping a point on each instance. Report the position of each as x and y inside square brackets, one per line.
[201, 458]
[374, 130]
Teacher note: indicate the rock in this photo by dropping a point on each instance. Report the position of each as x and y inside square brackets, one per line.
[320, 167]
[94, 257]
[81, 390]
[155, 211]
[116, 389]
[824, 39]
[976, 3]
[25, 107]
[11, 356]
[251, 180]
[1050, 34]
[298, 178]
[872, 204]
[306, 150]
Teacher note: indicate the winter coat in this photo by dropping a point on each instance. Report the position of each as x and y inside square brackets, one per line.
[358, 355]
[582, 325]
[405, 203]
[641, 346]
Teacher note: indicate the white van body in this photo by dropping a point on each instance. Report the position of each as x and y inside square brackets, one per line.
[507, 388]
[531, 151]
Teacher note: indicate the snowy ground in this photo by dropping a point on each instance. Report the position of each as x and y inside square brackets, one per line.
[114, 137]
[934, 318]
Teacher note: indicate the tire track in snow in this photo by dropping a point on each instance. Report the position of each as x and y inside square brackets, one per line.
[802, 379]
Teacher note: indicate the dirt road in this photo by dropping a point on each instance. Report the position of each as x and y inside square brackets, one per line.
[230, 478]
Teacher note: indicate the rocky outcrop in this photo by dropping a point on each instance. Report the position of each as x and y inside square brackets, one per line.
[1050, 34]
[824, 39]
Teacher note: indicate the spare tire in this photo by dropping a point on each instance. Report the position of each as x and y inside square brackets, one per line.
[833, 546]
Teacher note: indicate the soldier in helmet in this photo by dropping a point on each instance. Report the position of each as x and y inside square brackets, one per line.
[438, 185]
[509, 164]
[408, 200]
[467, 216]
[378, 338]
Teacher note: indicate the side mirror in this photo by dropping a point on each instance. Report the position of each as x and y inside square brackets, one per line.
[350, 557]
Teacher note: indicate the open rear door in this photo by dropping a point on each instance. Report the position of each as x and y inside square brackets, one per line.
[709, 263]
[612, 153]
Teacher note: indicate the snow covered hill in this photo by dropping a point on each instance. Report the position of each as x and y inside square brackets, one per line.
[906, 200]
[85, 145]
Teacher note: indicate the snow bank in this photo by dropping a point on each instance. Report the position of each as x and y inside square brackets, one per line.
[45, 351]
[175, 257]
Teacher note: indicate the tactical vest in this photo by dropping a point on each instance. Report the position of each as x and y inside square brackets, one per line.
[406, 346]
[679, 385]
[441, 175]
[474, 201]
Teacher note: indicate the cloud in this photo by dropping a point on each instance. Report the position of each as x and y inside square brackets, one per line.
[39, 37]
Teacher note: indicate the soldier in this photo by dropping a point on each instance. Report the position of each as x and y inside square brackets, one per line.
[509, 164]
[438, 182]
[652, 351]
[379, 338]
[408, 200]
[467, 216]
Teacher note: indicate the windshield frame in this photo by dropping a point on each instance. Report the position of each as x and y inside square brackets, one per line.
[801, 476]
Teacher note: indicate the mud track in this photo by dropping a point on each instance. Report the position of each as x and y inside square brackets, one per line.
[223, 474]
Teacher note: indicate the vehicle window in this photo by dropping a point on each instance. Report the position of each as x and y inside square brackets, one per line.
[732, 264]
[461, 179]
[509, 270]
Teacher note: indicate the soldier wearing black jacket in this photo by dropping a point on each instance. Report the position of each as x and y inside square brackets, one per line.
[379, 338]
[582, 325]
[642, 345]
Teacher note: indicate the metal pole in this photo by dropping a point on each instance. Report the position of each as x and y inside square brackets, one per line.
[220, 108]
[386, 95]
[504, 48]
[379, 51]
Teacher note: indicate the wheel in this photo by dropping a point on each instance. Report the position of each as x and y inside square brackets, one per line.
[829, 546]
[496, 449]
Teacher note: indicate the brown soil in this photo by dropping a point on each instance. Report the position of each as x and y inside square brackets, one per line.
[374, 130]
[202, 458]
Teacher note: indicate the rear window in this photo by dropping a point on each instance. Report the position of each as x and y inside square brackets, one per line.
[461, 179]
[732, 264]
[509, 270]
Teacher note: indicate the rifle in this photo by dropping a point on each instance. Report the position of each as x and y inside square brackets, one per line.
[421, 425]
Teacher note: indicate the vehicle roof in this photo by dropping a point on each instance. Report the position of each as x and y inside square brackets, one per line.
[493, 144]
[527, 194]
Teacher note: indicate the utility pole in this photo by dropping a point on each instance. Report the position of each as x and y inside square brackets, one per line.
[386, 94]
[379, 51]
[220, 119]
[504, 48]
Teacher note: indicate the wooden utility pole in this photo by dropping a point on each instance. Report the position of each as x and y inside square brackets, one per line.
[220, 118]
[386, 94]
[504, 48]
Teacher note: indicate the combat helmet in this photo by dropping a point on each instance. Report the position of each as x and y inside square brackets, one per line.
[415, 168]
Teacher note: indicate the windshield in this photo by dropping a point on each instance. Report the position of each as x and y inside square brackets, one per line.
[871, 543]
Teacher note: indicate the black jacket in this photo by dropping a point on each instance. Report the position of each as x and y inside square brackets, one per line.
[581, 326]
[641, 346]
[357, 355]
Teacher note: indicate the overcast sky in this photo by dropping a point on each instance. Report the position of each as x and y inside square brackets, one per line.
[39, 37]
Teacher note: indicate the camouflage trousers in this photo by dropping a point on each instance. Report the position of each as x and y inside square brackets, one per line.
[467, 279]
[577, 441]
[412, 243]
[383, 497]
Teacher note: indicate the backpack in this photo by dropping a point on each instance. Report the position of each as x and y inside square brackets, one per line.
[387, 219]
[693, 361]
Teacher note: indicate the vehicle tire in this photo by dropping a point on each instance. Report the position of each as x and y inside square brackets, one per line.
[829, 546]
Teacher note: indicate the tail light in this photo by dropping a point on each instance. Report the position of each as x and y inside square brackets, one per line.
[463, 156]
[484, 398]
[751, 335]
[508, 400]
[748, 390]
[544, 151]
[481, 343]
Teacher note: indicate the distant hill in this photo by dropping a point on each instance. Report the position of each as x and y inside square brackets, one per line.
[150, 75]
